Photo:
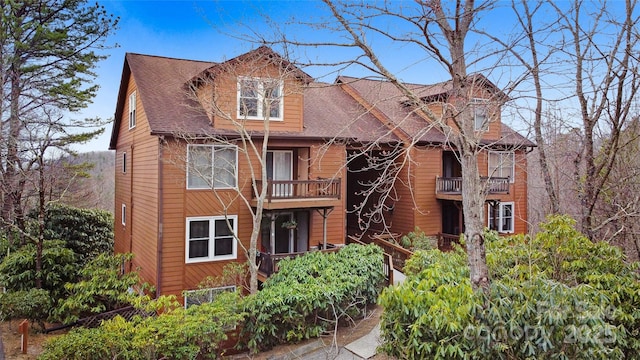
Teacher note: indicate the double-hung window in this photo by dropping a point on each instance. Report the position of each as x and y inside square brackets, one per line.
[211, 238]
[132, 110]
[480, 118]
[501, 217]
[212, 166]
[502, 164]
[260, 99]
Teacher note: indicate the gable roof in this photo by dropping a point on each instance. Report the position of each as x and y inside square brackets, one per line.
[354, 109]
[384, 96]
[265, 56]
[162, 92]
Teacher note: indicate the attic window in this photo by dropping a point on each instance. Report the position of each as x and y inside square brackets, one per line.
[480, 119]
[260, 99]
[132, 110]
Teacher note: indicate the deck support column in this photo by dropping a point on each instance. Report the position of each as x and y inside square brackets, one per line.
[272, 234]
[325, 213]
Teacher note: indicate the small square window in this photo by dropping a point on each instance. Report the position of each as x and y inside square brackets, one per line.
[260, 99]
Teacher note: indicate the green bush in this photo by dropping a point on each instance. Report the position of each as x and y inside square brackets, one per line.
[33, 304]
[418, 240]
[311, 293]
[17, 270]
[88, 232]
[177, 333]
[101, 287]
[557, 295]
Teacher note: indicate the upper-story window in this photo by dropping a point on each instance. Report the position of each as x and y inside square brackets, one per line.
[124, 162]
[502, 164]
[132, 110]
[480, 110]
[212, 166]
[260, 99]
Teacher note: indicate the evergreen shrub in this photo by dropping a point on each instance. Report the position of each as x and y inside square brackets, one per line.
[311, 294]
[554, 296]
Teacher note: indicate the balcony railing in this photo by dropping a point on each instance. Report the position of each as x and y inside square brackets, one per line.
[453, 185]
[268, 263]
[301, 189]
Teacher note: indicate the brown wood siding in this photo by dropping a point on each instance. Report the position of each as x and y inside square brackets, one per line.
[329, 163]
[520, 193]
[403, 218]
[137, 189]
[517, 190]
[225, 88]
[180, 203]
[428, 166]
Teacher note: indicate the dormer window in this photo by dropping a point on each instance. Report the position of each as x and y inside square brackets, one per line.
[480, 110]
[260, 99]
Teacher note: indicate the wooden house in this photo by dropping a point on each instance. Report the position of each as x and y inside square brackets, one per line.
[197, 142]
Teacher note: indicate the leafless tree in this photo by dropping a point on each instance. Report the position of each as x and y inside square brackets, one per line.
[441, 33]
[581, 57]
[247, 130]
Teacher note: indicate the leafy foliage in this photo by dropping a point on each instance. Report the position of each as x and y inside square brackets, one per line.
[17, 271]
[102, 287]
[418, 240]
[311, 293]
[33, 304]
[176, 333]
[88, 232]
[557, 295]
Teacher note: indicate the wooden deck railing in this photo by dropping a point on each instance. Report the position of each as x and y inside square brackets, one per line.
[387, 260]
[268, 263]
[453, 185]
[301, 189]
[446, 241]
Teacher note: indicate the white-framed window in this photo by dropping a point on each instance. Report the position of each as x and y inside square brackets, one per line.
[123, 212]
[501, 217]
[203, 296]
[212, 166]
[124, 162]
[502, 164]
[211, 238]
[480, 117]
[260, 98]
[132, 110]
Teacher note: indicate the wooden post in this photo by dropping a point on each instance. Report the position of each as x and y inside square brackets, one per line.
[24, 331]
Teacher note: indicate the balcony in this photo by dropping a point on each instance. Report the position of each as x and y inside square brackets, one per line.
[268, 263]
[290, 194]
[450, 188]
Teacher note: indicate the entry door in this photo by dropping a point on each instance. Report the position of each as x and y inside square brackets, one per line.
[280, 167]
[284, 236]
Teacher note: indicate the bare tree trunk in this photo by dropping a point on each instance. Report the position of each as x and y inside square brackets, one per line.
[473, 205]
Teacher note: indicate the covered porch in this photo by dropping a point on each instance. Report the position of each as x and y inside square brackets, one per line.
[286, 233]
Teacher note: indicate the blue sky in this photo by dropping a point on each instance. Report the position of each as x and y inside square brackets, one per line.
[212, 30]
[199, 30]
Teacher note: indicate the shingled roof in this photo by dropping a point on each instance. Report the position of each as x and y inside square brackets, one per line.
[353, 109]
[388, 99]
